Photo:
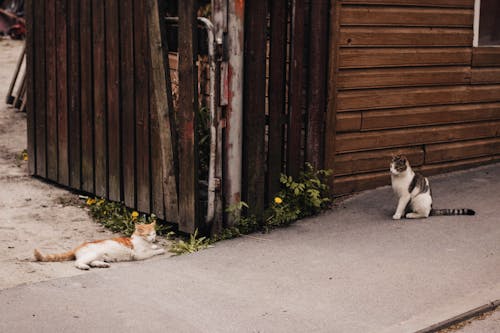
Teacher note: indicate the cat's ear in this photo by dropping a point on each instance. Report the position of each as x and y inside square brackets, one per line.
[153, 223]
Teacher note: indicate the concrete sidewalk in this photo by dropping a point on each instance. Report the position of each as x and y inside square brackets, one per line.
[353, 269]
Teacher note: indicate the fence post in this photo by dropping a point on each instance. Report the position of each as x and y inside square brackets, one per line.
[254, 115]
[318, 61]
[188, 109]
[234, 124]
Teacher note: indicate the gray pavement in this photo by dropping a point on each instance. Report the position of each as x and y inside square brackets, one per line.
[352, 269]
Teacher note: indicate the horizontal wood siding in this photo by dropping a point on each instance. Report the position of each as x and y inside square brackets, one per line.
[409, 82]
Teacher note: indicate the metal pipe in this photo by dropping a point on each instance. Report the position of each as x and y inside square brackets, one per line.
[212, 179]
[212, 186]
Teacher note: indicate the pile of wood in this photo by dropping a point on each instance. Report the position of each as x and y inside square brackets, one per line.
[16, 95]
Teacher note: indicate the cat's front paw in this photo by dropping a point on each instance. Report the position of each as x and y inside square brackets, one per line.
[396, 216]
[154, 246]
[160, 251]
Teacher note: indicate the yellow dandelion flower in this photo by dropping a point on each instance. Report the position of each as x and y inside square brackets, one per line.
[278, 200]
[90, 201]
[135, 214]
[25, 156]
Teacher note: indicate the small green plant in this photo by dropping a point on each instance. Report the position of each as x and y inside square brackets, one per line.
[242, 224]
[193, 244]
[118, 218]
[305, 196]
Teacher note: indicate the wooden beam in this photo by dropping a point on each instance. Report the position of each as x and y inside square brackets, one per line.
[317, 85]
[277, 97]
[160, 106]
[187, 114]
[254, 117]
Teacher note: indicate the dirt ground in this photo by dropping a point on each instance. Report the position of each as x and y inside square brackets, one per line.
[33, 214]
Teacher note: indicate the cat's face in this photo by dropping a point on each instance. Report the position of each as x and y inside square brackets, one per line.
[146, 231]
[398, 165]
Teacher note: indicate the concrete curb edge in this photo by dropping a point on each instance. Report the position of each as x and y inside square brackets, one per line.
[461, 317]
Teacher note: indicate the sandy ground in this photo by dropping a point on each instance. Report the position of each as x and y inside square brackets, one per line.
[32, 212]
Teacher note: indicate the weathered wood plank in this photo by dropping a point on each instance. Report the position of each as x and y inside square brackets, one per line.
[188, 109]
[254, 117]
[113, 98]
[356, 183]
[354, 163]
[128, 100]
[165, 197]
[377, 78]
[407, 97]
[62, 90]
[348, 122]
[332, 97]
[74, 93]
[430, 3]
[87, 103]
[100, 127]
[40, 86]
[317, 84]
[296, 99]
[431, 115]
[406, 16]
[142, 67]
[486, 75]
[30, 85]
[351, 142]
[403, 57]
[444, 152]
[383, 36]
[51, 86]
[434, 169]
[485, 56]
[277, 80]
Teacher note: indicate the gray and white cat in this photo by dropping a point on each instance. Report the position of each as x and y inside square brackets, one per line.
[414, 193]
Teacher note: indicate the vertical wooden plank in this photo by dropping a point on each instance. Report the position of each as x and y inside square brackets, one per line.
[254, 117]
[127, 97]
[188, 105]
[62, 90]
[164, 196]
[51, 74]
[30, 95]
[113, 97]
[142, 106]
[100, 138]
[316, 106]
[294, 136]
[157, 204]
[74, 94]
[277, 97]
[39, 58]
[333, 61]
[87, 103]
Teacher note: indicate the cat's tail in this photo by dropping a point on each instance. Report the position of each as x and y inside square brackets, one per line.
[70, 255]
[459, 211]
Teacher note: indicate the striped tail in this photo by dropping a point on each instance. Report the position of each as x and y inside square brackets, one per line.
[459, 211]
[70, 255]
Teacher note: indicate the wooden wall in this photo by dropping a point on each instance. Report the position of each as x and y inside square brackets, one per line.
[408, 81]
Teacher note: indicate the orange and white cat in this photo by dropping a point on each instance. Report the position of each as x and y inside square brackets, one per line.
[100, 253]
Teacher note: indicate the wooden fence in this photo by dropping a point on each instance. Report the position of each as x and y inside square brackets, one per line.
[92, 102]
[286, 65]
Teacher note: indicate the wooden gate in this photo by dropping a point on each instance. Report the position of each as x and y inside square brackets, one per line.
[96, 109]
[286, 61]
